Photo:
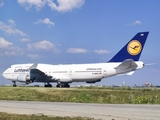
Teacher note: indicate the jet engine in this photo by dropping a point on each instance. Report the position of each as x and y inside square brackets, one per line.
[24, 79]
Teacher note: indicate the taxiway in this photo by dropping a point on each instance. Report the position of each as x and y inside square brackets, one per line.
[97, 111]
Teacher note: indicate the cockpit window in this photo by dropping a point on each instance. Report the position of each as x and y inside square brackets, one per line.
[8, 71]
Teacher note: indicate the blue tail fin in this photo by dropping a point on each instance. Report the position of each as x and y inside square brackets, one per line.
[133, 49]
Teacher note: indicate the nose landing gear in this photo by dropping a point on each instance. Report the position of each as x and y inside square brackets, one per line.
[14, 84]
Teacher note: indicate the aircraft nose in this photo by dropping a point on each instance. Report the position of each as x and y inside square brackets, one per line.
[4, 73]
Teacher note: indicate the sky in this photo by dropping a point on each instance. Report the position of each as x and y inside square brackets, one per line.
[79, 31]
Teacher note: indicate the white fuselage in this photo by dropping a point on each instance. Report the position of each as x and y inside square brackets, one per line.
[69, 73]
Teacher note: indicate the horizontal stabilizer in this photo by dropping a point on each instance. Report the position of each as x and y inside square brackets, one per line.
[126, 64]
[130, 73]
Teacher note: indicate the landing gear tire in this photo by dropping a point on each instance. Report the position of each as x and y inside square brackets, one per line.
[58, 85]
[48, 85]
[63, 85]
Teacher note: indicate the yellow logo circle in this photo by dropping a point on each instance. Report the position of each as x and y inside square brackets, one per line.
[134, 47]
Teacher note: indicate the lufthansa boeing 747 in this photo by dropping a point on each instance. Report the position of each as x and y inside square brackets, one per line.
[126, 61]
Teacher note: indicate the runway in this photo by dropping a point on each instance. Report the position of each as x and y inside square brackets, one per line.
[97, 111]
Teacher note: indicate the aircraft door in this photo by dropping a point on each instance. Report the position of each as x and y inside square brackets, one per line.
[70, 72]
[104, 72]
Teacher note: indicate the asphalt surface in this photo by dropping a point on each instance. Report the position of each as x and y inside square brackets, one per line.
[97, 111]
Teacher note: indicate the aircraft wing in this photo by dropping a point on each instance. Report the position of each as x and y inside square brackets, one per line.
[127, 64]
[38, 74]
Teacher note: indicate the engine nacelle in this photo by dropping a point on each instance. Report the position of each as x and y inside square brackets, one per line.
[23, 78]
[93, 81]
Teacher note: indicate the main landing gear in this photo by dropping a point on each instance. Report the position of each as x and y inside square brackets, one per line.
[59, 85]
[48, 85]
[62, 85]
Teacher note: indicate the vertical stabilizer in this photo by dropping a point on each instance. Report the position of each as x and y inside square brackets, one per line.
[133, 49]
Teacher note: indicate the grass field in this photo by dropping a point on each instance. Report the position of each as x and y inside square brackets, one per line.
[83, 95]
[6, 116]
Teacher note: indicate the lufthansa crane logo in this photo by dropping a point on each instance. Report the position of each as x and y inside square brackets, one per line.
[134, 47]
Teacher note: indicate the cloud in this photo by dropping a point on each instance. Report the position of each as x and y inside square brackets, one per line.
[45, 21]
[77, 50]
[33, 56]
[25, 40]
[43, 45]
[1, 3]
[81, 50]
[137, 22]
[8, 53]
[8, 49]
[29, 3]
[11, 22]
[65, 5]
[59, 5]
[10, 29]
[4, 43]
[101, 51]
